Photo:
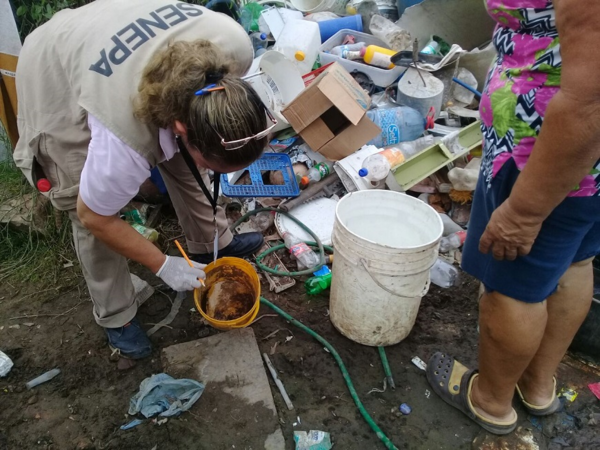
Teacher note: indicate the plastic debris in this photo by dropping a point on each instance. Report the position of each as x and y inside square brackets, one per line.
[164, 395]
[568, 394]
[419, 363]
[277, 381]
[5, 364]
[595, 388]
[42, 378]
[313, 440]
[405, 409]
[134, 423]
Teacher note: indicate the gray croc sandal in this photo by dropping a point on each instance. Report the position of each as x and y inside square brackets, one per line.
[453, 382]
[550, 408]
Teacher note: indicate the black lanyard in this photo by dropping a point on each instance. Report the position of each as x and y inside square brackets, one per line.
[192, 166]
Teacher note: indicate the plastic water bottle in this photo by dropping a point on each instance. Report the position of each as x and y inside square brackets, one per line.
[377, 167]
[316, 285]
[342, 50]
[455, 240]
[444, 274]
[316, 173]
[411, 148]
[259, 43]
[307, 259]
[399, 124]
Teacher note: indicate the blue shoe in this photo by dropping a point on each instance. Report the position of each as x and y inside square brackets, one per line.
[129, 341]
[241, 246]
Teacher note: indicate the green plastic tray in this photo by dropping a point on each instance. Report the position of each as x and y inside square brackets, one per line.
[426, 163]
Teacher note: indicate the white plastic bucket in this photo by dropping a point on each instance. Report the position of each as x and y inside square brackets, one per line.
[385, 243]
[278, 85]
[313, 6]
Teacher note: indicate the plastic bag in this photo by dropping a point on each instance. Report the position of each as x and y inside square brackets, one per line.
[164, 395]
[5, 364]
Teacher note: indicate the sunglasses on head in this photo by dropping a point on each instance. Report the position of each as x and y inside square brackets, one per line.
[239, 143]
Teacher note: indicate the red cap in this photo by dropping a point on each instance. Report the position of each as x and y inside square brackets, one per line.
[43, 185]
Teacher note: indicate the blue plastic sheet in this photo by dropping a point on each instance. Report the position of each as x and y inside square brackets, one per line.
[165, 396]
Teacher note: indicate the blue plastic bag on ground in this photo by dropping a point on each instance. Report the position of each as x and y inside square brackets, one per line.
[164, 395]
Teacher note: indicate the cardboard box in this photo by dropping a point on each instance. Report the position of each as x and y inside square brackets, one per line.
[330, 114]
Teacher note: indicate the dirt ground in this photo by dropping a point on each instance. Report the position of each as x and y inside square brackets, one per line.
[86, 404]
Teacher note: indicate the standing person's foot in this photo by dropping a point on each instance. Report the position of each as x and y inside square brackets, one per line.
[538, 403]
[129, 341]
[241, 246]
[453, 382]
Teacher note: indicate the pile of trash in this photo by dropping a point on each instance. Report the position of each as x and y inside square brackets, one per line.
[367, 95]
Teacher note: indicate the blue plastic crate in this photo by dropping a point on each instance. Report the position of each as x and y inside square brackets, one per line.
[267, 162]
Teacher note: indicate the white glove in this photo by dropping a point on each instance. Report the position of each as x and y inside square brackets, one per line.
[178, 274]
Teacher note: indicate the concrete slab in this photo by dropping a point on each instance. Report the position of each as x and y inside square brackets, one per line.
[237, 391]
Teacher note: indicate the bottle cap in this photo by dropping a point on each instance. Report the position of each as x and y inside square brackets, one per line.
[363, 51]
[43, 185]
[304, 181]
[363, 172]
[300, 55]
[263, 36]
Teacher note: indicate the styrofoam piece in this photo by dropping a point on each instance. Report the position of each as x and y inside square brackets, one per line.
[318, 215]
[276, 18]
[347, 169]
[381, 77]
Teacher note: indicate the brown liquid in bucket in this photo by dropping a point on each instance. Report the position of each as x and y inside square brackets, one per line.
[229, 293]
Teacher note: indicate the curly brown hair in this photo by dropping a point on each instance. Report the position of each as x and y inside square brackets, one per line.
[167, 93]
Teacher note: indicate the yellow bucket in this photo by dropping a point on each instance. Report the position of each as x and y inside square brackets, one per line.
[245, 291]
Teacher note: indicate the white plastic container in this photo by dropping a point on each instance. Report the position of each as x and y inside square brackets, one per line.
[313, 6]
[278, 85]
[381, 77]
[276, 18]
[299, 41]
[385, 244]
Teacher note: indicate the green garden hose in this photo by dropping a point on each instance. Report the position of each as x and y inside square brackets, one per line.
[386, 367]
[260, 257]
[380, 434]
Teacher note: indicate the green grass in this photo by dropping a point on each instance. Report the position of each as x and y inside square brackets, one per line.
[28, 256]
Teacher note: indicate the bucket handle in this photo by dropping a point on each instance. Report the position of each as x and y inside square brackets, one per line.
[378, 283]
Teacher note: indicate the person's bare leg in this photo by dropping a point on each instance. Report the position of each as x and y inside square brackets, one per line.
[567, 309]
[510, 335]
